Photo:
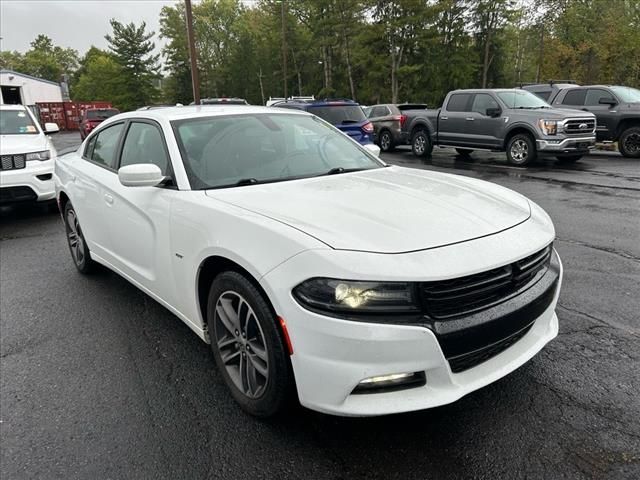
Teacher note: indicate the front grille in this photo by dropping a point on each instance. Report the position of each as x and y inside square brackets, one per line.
[13, 162]
[465, 361]
[17, 194]
[461, 296]
[579, 127]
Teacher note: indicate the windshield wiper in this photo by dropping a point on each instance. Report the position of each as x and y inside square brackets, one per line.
[336, 170]
[246, 181]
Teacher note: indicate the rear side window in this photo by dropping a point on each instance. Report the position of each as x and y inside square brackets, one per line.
[144, 144]
[574, 97]
[545, 94]
[458, 102]
[379, 112]
[106, 145]
[595, 94]
[339, 114]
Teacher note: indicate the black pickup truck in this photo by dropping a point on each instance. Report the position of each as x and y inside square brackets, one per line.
[617, 110]
[509, 120]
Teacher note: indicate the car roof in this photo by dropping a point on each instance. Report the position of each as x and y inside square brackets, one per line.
[12, 107]
[484, 90]
[200, 111]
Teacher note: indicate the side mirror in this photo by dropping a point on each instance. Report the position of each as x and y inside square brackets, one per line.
[607, 101]
[51, 127]
[372, 148]
[493, 112]
[140, 175]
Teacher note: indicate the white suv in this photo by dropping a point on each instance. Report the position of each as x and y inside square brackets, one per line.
[27, 157]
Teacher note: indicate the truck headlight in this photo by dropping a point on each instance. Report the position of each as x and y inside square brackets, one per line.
[548, 127]
[356, 297]
[42, 156]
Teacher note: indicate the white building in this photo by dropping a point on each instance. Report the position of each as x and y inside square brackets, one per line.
[19, 88]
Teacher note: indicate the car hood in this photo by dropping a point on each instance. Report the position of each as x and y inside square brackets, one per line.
[556, 113]
[386, 210]
[23, 143]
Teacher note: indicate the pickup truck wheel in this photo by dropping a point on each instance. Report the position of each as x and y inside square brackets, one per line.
[629, 143]
[385, 141]
[569, 158]
[521, 150]
[421, 144]
[464, 153]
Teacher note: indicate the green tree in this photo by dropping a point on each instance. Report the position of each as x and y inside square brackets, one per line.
[133, 50]
[101, 80]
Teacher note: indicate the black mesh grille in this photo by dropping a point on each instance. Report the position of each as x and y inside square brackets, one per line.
[12, 162]
[461, 296]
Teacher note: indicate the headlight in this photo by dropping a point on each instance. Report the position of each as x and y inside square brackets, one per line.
[548, 127]
[44, 155]
[356, 297]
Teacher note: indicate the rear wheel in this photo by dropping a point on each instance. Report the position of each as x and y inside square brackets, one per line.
[386, 141]
[629, 143]
[569, 158]
[77, 243]
[464, 152]
[247, 345]
[421, 144]
[521, 150]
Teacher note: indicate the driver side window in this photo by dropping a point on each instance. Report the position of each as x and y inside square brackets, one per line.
[144, 144]
[482, 101]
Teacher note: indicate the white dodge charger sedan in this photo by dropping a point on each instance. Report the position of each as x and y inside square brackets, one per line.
[310, 265]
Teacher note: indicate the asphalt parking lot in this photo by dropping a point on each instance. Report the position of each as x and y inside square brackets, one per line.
[100, 381]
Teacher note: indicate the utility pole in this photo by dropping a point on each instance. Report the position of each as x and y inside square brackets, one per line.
[284, 50]
[195, 81]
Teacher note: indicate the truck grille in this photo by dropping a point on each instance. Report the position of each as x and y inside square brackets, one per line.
[13, 162]
[465, 295]
[580, 126]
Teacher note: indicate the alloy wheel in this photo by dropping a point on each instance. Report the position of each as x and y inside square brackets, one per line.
[632, 143]
[385, 141]
[74, 236]
[419, 144]
[519, 151]
[241, 344]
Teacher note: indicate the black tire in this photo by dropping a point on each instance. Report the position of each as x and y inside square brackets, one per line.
[277, 390]
[385, 141]
[629, 143]
[569, 158]
[521, 150]
[421, 144]
[76, 241]
[464, 153]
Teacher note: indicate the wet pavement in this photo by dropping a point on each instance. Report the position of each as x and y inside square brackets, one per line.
[100, 381]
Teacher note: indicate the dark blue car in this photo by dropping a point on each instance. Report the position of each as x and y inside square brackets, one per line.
[346, 115]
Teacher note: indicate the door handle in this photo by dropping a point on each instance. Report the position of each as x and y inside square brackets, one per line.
[108, 198]
[444, 118]
[470, 119]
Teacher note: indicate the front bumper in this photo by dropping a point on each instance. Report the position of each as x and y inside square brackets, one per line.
[332, 356]
[567, 145]
[32, 183]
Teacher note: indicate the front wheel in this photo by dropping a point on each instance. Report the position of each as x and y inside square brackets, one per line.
[77, 243]
[386, 141]
[248, 346]
[569, 158]
[629, 143]
[421, 144]
[521, 150]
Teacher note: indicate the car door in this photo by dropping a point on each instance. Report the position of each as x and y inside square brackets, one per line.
[453, 121]
[484, 130]
[90, 173]
[605, 113]
[138, 217]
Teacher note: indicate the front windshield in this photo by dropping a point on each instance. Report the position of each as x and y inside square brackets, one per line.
[226, 151]
[16, 122]
[627, 94]
[522, 99]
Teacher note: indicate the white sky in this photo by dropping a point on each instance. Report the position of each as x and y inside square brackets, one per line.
[73, 23]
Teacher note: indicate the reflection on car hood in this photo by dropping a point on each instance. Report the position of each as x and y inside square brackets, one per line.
[23, 143]
[386, 210]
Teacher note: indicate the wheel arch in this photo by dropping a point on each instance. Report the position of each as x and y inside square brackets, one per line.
[626, 124]
[517, 129]
[420, 124]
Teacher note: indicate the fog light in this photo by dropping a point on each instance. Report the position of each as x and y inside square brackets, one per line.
[388, 383]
